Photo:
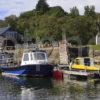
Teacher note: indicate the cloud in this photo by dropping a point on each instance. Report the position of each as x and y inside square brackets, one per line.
[67, 4]
[15, 7]
[19, 2]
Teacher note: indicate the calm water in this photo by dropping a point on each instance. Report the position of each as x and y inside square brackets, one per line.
[48, 89]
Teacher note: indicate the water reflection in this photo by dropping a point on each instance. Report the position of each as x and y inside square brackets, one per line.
[15, 88]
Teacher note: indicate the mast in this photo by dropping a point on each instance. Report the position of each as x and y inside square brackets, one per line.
[37, 40]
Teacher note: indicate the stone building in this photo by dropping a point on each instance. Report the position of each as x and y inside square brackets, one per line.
[8, 37]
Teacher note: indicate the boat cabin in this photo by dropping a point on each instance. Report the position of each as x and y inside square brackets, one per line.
[86, 61]
[36, 57]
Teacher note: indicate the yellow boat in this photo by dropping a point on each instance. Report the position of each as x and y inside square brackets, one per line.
[84, 63]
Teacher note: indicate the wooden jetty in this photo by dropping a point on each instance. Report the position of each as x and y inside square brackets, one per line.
[77, 74]
[80, 73]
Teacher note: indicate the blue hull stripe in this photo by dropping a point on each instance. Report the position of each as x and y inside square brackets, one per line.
[29, 70]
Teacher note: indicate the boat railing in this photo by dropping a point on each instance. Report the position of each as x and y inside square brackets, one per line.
[18, 46]
[26, 46]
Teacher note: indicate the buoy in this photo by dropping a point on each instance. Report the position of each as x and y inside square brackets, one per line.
[57, 74]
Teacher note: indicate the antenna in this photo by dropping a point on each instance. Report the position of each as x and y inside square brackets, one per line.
[98, 24]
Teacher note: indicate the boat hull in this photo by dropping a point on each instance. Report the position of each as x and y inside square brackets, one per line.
[85, 68]
[29, 70]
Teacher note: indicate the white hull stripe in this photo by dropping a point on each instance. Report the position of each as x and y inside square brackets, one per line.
[10, 74]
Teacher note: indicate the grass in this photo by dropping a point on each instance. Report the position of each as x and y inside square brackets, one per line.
[95, 47]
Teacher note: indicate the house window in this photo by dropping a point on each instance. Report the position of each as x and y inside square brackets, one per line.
[26, 57]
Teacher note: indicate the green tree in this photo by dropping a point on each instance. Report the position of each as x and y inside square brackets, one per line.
[74, 12]
[56, 11]
[49, 22]
[11, 20]
[3, 23]
[42, 6]
[89, 11]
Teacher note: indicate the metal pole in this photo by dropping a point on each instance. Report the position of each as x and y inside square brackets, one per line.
[79, 48]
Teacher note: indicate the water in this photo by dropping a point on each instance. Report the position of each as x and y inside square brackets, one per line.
[15, 88]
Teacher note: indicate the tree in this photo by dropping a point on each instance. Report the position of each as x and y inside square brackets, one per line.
[89, 11]
[47, 22]
[42, 6]
[3, 23]
[74, 12]
[11, 20]
[56, 11]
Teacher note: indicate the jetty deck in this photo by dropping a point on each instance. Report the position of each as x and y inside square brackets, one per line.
[77, 73]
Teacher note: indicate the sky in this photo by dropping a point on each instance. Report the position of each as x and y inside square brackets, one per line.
[15, 7]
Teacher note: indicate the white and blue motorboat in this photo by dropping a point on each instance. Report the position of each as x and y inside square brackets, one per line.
[34, 63]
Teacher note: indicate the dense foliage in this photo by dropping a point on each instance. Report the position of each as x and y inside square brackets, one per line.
[51, 22]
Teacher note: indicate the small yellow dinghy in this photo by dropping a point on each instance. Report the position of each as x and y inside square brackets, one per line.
[84, 63]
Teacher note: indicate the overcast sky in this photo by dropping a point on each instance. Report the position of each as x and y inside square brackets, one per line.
[15, 7]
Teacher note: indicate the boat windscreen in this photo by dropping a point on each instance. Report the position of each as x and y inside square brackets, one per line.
[87, 62]
[39, 56]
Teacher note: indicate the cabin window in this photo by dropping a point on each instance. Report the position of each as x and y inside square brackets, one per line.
[39, 56]
[87, 61]
[26, 57]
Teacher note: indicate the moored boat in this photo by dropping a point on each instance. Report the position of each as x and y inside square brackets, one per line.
[34, 63]
[82, 68]
[84, 64]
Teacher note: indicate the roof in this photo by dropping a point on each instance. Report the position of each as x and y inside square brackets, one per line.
[39, 51]
[35, 51]
[2, 30]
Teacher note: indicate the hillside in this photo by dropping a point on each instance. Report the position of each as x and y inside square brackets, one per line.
[49, 23]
